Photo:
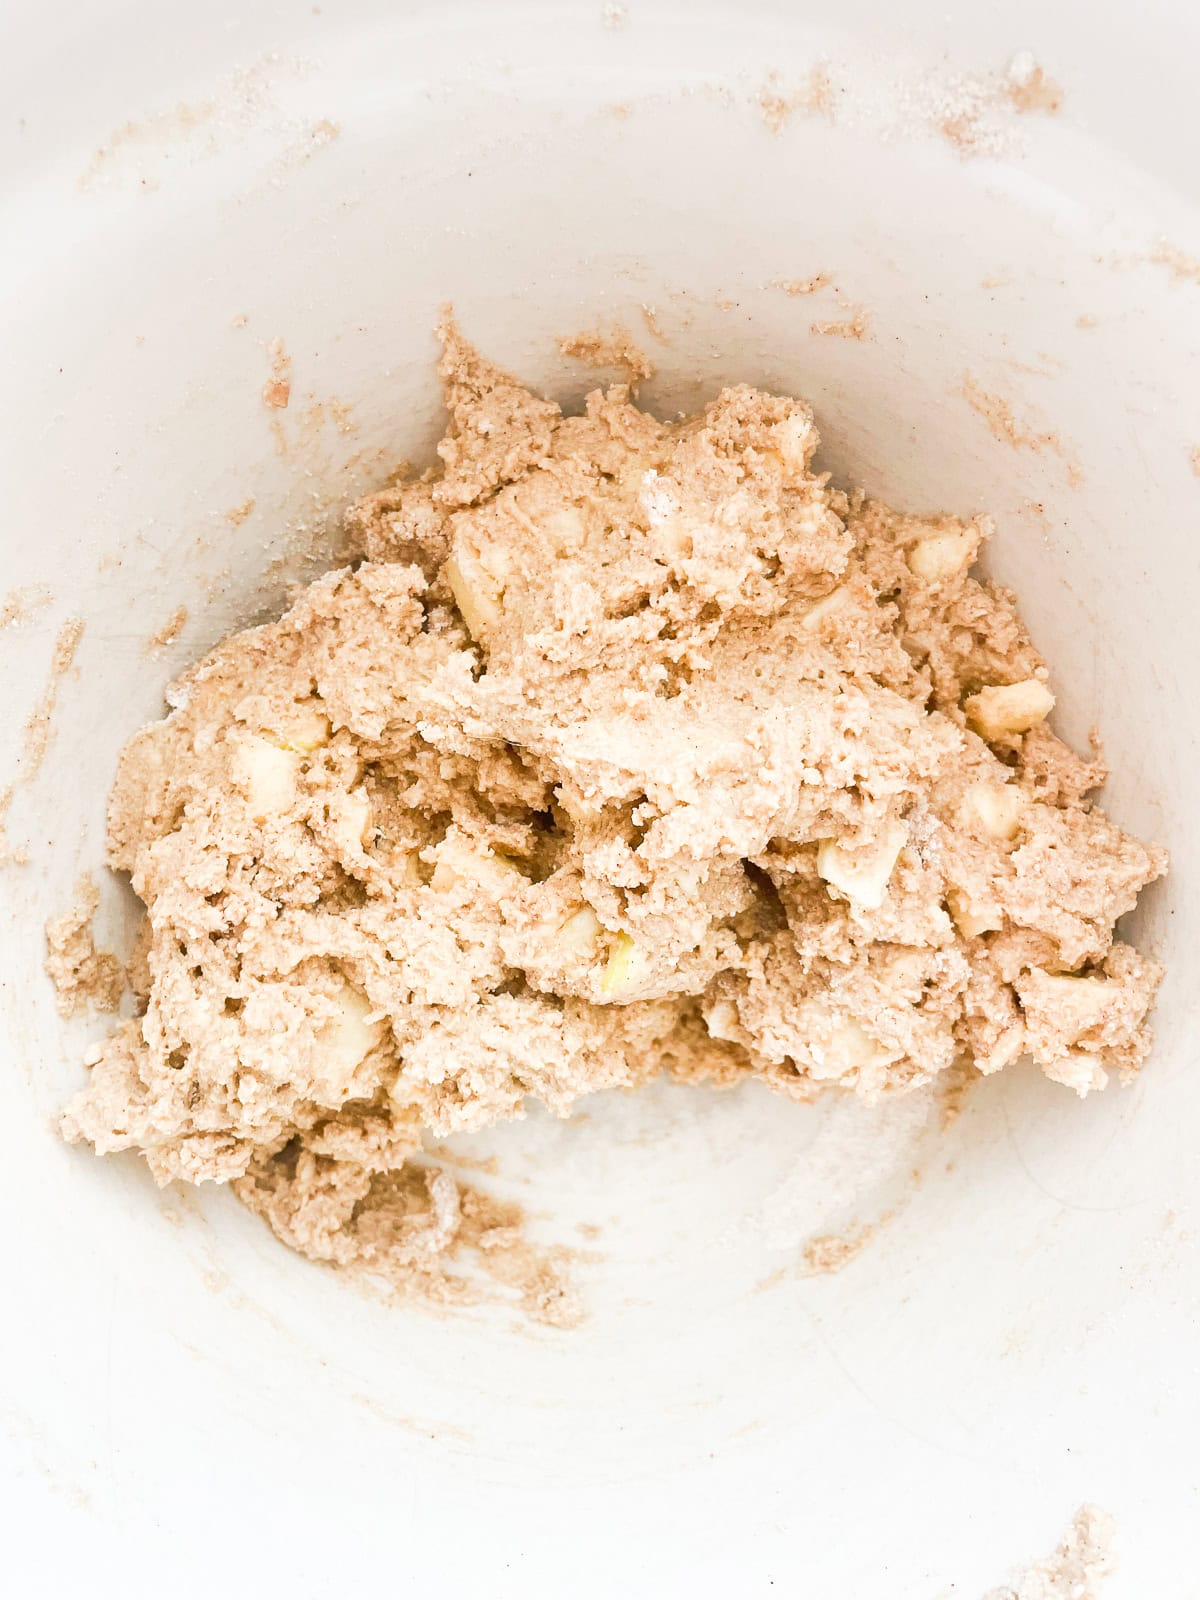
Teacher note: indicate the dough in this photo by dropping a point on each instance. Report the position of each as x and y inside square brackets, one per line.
[84, 978]
[1078, 1568]
[626, 747]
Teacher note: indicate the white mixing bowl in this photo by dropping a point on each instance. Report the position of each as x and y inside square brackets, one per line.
[189, 1409]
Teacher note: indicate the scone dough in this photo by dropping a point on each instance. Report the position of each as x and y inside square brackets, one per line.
[626, 746]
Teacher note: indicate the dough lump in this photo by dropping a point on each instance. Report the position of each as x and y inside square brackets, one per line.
[625, 747]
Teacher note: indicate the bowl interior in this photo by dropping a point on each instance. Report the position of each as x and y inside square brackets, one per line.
[1018, 1335]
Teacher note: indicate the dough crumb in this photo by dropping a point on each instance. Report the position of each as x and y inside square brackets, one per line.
[170, 630]
[1077, 1569]
[1183, 268]
[776, 108]
[615, 349]
[624, 748]
[855, 327]
[1002, 423]
[830, 1252]
[1030, 89]
[19, 605]
[9, 856]
[416, 1229]
[653, 325]
[236, 515]
[323, 132]
[39, 726]
[1003, 426]
[974, 112]
[815, 99]
[954, 1085]
[818, 98]
[84, 978]
[277, 391]
[341, 414]
[801, 286]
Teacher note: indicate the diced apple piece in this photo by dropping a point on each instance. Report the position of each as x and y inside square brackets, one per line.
[267, 774]
[721, 1019]
[836, 600]
[973, 917]
[350, 820]
[1072, 1002]
[581, 808]
[350, 1034]
[563, 528]
[461, 862]
[1008, 708]
[304, 729]
[625, 965]
[941, 556]
[862, 875]
[851, 1046]
[581, 932]
[795, 441]
[996, 807]
[477, 598]
[1077, 1069]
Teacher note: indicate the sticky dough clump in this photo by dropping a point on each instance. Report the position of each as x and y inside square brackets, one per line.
[626, 747]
